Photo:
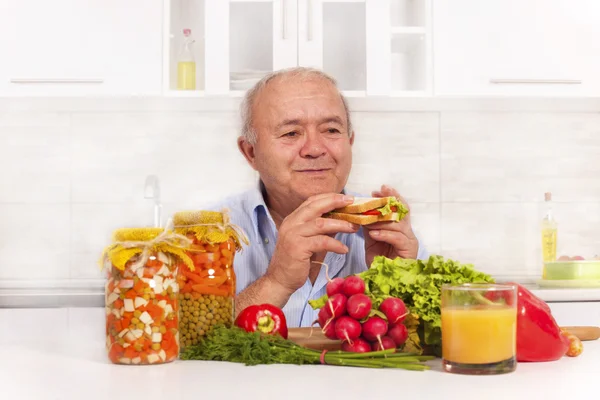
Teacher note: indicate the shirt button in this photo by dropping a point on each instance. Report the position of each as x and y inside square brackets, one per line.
[266, 240]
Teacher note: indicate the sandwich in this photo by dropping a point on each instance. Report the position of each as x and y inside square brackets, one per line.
[368, 210]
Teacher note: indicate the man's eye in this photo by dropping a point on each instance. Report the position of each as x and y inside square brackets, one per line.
[333, 130]
[291, 134]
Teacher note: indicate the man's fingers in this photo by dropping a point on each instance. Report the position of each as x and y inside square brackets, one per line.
[325, 226]
[324, 243]
[321, 205]
[398, 240]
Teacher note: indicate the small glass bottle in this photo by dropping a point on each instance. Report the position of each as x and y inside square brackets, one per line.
[186, 63]
[549, 231]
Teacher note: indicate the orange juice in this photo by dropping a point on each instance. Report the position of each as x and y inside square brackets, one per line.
[480, 335]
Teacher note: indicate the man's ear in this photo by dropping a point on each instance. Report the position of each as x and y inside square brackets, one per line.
[247, 149]
[352, 138]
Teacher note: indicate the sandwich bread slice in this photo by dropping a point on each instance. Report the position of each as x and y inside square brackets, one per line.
[368, 210]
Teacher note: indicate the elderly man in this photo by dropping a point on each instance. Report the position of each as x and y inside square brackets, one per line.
[298, 135]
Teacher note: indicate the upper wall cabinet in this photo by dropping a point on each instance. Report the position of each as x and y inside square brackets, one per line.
[372, 47]
[515, 47]
[75, 47]
[234, 44]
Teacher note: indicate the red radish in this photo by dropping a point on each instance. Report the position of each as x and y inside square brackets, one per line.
[324, 316]
[398, 333]
[359, 306]
[353, 285]
[329, 330]
[359, 345]
[347, 328]
[386, 343]
[334, 286]
[394, 310]
[374, 328]
[336, 305]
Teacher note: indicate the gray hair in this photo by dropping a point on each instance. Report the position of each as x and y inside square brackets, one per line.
[248, 131]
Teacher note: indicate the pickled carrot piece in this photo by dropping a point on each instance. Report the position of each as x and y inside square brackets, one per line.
[192, 276]
[130, 352]
[215, 282]
[125, 322]
[212, 248]
[118, 304]
[171, 324]
[187, 288]
[139, 287]
[117, 326]
[154, 264]
[225, 261]
[201, 258]
[226, 253]
[155, 311]
[205, 289]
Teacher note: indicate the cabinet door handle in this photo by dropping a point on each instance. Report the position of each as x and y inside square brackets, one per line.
[283, 19]
[309, 20]
[537, 81]
[53, 80]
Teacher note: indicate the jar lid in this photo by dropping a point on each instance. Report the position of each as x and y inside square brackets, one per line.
[209, 226]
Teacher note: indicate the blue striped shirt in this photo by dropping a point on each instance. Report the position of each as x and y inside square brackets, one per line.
[249, 211]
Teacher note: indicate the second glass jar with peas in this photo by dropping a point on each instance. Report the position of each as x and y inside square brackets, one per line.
[208, 290]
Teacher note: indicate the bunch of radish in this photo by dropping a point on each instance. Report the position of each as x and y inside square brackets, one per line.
[349, 316]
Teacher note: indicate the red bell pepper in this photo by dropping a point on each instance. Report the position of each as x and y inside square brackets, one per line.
[539, 338]
[265, 318]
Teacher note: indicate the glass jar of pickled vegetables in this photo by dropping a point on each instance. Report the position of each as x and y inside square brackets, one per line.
[141, 292]
[207, 290]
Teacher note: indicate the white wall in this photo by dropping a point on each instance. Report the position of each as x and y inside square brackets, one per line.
[475, 179]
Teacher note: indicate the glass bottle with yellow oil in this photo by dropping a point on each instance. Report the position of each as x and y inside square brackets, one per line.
[186, 63]
[549, 231]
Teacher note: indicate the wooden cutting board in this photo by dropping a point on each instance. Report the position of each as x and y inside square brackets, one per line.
[313, 338]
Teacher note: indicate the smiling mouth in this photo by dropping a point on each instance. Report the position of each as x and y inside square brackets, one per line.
[314, 170]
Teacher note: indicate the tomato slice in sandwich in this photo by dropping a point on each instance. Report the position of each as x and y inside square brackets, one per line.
[372, 212]
[377, 212]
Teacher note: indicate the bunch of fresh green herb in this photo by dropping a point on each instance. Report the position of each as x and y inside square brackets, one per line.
[252, 348]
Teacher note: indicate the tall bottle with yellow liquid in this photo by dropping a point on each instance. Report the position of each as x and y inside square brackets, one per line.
[549, 231]
[186, 63]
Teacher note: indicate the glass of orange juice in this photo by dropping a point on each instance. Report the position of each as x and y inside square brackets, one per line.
[479, 328]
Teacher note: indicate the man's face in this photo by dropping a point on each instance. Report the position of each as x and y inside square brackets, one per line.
[303, 146]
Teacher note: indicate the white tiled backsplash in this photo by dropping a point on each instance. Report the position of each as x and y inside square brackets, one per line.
[475, 180]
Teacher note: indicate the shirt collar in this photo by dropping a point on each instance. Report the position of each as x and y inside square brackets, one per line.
[256, 203]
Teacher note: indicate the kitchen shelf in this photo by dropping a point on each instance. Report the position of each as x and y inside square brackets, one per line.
[409, 13]
[409, 63]
[185, 93]
[410, 93]
[408, 30]
[179, 15]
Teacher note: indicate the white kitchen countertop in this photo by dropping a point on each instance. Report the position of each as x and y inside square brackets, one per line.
[58, 353]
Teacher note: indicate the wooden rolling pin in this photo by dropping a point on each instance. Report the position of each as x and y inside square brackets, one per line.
[584, 333]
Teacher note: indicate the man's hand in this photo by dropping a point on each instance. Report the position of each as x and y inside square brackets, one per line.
[304, 233]
[390, 239]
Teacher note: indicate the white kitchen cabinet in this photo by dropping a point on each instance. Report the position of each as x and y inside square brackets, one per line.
[237, 42]
[371, 47]
[77, 47]
[333, 37]
[515, 47]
